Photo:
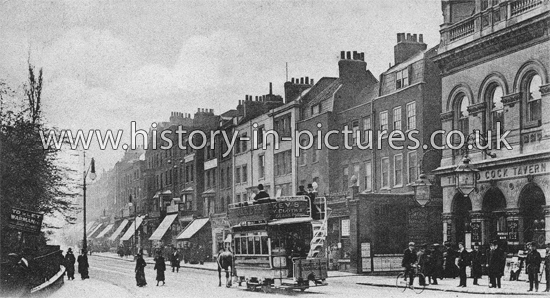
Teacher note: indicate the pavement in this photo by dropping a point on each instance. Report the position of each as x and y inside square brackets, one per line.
[445, 285]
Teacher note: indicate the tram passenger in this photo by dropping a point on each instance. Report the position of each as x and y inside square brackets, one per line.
[311, 194]
[301, 191]
[262, 196]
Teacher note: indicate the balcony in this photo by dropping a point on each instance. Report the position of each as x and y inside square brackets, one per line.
[490, 20]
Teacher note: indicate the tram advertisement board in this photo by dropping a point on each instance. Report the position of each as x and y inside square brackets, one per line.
[25, 221]
[268, 211]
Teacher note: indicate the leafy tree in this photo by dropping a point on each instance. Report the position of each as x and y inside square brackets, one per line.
[30, 177]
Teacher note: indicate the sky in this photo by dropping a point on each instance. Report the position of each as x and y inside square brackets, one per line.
[107, 63]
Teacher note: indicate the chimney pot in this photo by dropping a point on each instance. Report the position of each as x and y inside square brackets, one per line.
[270, 88]
[301, 81]
[398, 37]
[362, 56]
[311, 82]
[342, 55]
[307, 80]
[349, 55]
[355, 55]
[421, 38]
[409, 37]
[414, 37]
[199, 109]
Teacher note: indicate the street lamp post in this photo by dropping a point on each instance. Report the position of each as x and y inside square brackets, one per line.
[91, 170]
[465, 174]
[135, 224]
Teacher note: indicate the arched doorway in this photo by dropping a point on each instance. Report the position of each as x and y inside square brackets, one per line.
[531, 202]
[494, 205]
[462, 205]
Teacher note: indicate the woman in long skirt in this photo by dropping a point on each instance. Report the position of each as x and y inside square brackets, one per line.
[140, 271]
[160, 266]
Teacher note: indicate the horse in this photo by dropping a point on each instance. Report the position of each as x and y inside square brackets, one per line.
[225, 260]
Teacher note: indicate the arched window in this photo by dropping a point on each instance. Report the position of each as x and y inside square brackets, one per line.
[496, 108]
[533, 98]
[462, 115]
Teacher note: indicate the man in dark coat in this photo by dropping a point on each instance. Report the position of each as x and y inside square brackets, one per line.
[160, 266]
[496, 260]
[547, 267]
[409, 260]
[450, 270]
[69, 264]
[175, 259]
[422, 261]
[262, 196]
[463, 262]
[83, 264]
[140, 271]
[311, 195]
[437, 261]
[477, 263]
[532, 265]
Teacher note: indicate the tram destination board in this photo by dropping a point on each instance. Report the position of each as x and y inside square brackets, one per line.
[269, 211]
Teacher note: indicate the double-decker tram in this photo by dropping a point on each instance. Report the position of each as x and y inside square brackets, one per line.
[279, 244]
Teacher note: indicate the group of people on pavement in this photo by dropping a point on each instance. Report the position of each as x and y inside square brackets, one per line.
[435, 263]
[160, 267]
[83, 265]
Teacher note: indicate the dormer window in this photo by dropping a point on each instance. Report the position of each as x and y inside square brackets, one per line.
[402, 79]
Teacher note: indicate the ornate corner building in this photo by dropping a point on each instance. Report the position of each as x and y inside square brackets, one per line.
[495, 59]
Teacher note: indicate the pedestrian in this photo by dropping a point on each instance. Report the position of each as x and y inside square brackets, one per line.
[450, 270]
[201, 254]
[547, 267]
[160, 266]
[140, 271]
[83, 264]
[409, 259]
[422, 261]
[437, 259]
[532, 265]
[463, 261]
[495, 264]
[175, 260]
[70, 260]
[477, 263]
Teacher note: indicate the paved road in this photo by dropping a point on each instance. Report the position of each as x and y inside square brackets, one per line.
[114, 278]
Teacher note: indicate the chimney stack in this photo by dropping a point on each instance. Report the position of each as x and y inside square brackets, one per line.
[408, 46]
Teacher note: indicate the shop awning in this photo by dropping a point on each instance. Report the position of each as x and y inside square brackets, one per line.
[130, 232]
[105, 231]
[90, 226]
[119, 230]
[163, 227]
[193, 228]
[229, 238]
[156, 196]
[187, 190]
[91, 235]
[288, 221]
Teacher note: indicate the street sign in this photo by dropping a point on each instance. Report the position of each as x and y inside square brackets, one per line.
[25, 221]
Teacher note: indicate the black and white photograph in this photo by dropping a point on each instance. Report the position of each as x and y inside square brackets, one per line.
[274, 148]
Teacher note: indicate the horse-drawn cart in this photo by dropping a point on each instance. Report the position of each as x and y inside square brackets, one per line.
[273, 244]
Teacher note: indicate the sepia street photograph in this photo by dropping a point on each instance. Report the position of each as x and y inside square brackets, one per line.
[274, 148]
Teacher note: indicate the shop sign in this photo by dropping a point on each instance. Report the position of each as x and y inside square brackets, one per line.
[345, 228]
[476, 231]
[514, 171]
[513, 230]
[25, 221]
[268, 211]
